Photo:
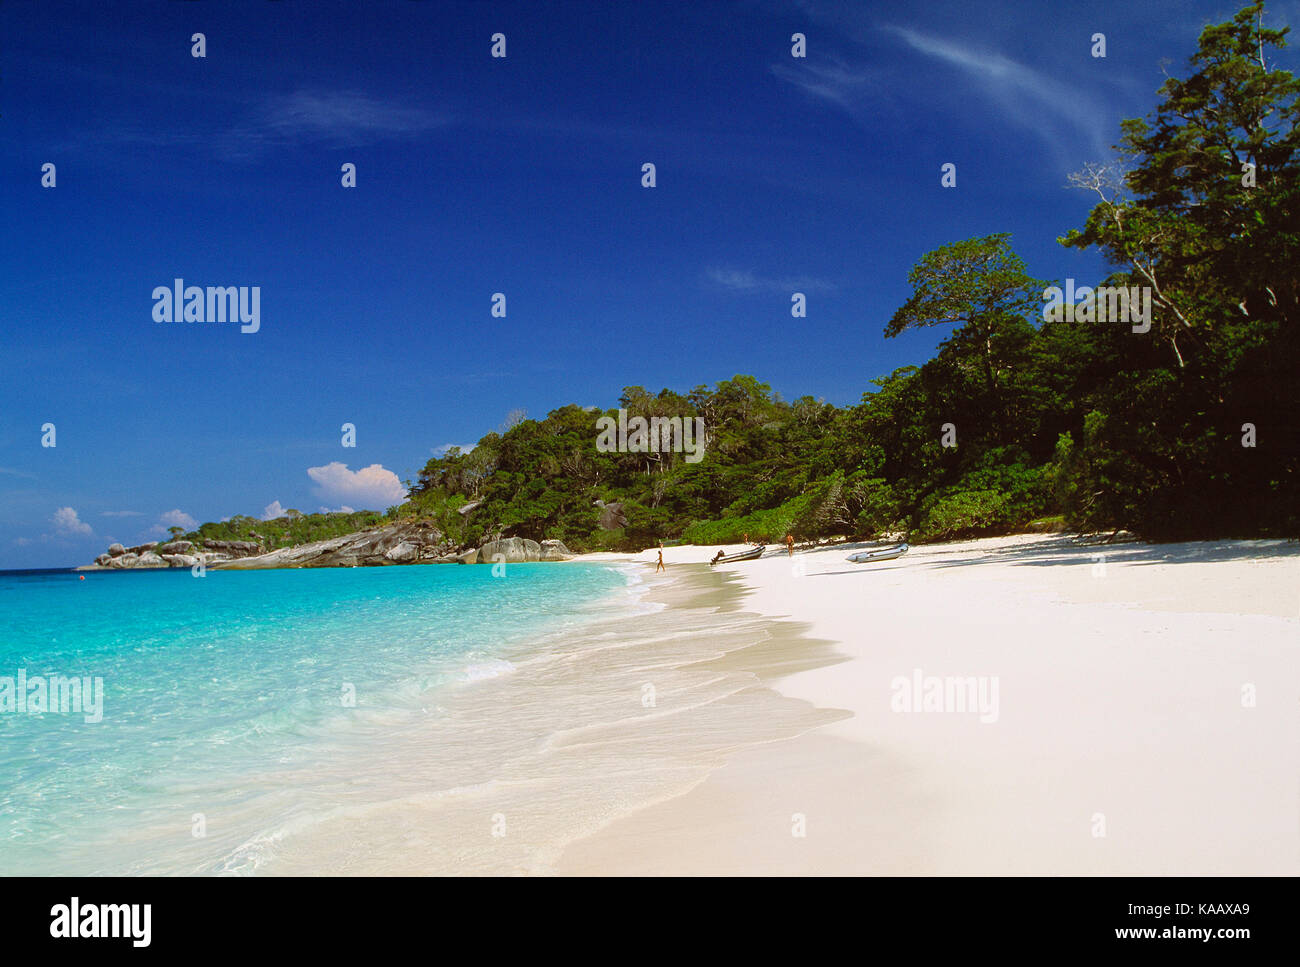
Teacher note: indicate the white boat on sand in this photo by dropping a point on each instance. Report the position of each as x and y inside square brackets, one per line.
[881, 554]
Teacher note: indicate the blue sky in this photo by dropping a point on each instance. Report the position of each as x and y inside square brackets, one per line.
[478, 175]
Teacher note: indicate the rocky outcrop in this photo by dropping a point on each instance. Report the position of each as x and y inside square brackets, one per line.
[459, 557]
[219, 552]
[611, 516]
[234, 548]
[555, 551]
[511, 550]
[403, 553]
[410, 542]
[140, 556]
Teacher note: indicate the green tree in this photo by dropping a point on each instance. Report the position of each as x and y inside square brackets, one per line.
[980, 287]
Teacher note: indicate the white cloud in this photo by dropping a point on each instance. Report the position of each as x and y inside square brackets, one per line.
[442, 450]
[66, 521]
[173, 518]
[272, 510]
[345, 509]
[372, 487]
[178, 518]
[120, 513]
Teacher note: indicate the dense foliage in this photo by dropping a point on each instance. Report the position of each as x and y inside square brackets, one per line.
[288, 531]
[1208, 215]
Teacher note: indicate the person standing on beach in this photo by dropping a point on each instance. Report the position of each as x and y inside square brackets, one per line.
[789, 544]
[745, 539]
[660, 566]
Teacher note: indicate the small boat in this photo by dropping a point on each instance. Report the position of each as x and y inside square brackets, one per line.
[883, 554]
[753, 554]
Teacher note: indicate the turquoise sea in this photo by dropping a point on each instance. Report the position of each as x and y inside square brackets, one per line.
[242, 703]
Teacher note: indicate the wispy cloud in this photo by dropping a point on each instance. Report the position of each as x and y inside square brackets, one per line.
[1029, 98]
[120, 513]
[1056, 108]
[834, 80]
[343, 116]
[746, 280]
[339, 118]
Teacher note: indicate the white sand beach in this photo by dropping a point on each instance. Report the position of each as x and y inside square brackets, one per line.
[1141, 715]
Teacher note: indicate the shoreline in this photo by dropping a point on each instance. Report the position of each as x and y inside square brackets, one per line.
[743, 720]
[588, 726]
[1145, 725]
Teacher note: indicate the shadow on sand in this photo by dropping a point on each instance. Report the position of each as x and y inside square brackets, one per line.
[1065, 549]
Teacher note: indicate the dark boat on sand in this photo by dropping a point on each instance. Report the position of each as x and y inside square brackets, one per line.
[753, 554]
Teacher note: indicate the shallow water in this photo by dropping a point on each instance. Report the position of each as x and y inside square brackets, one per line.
[245, 705]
